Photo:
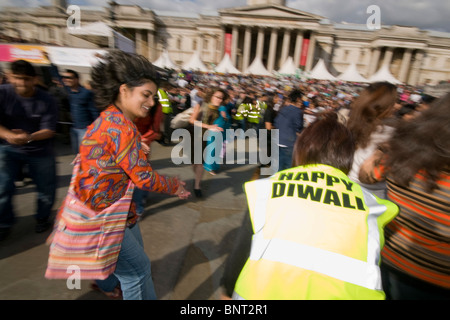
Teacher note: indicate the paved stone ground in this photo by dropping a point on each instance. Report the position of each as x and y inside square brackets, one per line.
[187, 241]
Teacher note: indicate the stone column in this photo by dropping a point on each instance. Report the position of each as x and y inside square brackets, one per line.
[404, 68]
[272, 50]
[234, 43]
[311, 49]
[326, 54]
[200, 45]
[416, 67]
[298, 48]
[222, 43]
[247, 43]
[285, 47]
[260, 43]
[138, 40]
[374, 61]
[151, 45]
[388, 56]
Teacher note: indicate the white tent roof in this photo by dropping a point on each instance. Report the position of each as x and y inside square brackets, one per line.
[93, 29]
[288, 67]
[352, 74]
[257, 68]
[101, 34]
[164, 61]
[384, 75]
[195, 64]
[226, 66]
[320, 72]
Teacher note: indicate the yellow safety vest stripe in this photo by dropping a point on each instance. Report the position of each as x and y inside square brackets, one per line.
[307, 285]
[165, 102]
[351, 265]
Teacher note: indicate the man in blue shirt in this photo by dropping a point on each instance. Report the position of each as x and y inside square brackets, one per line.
[289, 122]
[28, 117]
[82, 107]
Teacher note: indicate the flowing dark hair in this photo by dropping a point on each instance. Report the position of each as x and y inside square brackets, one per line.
[421, 145]
[213, 90]
[370, 109]
[325, 141]
[117, 68]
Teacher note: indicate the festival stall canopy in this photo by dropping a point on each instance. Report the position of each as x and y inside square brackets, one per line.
[164, 61]
[59, 55]
[384, 75]
[195, 64]
[226, 66]
[257, 68]
[288, 67]
[75, 56]
[352, 74]
[321, 72]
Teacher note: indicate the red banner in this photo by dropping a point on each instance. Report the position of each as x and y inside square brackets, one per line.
[228, 38]
[304, 54]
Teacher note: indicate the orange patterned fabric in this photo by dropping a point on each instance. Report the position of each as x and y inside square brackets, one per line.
[111, 155]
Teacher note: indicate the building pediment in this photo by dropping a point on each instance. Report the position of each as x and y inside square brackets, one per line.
[269, 11]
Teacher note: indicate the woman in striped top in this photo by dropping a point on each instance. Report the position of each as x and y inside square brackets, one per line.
[416, 165]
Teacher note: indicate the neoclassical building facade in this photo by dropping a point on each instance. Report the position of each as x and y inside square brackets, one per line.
[263, 29]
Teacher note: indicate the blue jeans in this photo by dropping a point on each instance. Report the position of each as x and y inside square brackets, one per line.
[133, 269]
[140, 197]
[285, 158]
[42, 170]
[76, 136]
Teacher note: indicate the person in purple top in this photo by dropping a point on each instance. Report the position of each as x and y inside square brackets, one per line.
[28, 117]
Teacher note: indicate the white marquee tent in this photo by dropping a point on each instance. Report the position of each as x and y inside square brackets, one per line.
[195, 64]
[257, 68]
[226, 66]
[288, 67]
[352, 74]
[384, 75]
[164, 61]
[321, 72]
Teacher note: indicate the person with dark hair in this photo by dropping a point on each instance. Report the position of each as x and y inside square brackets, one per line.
[289, 122]
[311, 232]
[268, 121]
[206, 116]
[370, 121]
[416, 166]
[82, 108]
[28, 117]
[111, 162]
[150, 129]
[425, 101]
[407, 112]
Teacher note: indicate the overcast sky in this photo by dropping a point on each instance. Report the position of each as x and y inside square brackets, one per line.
[424, 14]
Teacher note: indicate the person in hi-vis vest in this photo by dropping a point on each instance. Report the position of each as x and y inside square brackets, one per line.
[311, 232]
[166, 104]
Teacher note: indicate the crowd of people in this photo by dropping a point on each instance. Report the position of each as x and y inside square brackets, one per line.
[377, 150]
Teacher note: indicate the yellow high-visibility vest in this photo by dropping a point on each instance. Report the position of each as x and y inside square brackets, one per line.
[165, 102]
[241, 112]
[317, 235]
[253, 113]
